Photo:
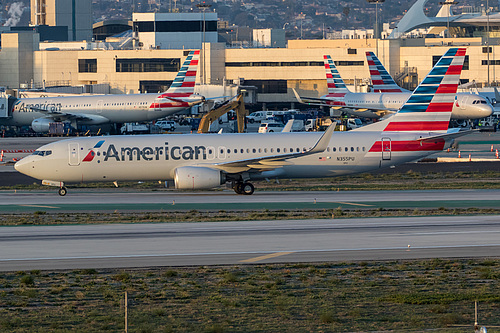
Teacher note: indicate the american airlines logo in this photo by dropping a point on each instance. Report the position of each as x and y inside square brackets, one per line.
[90, 156]
[156, 153]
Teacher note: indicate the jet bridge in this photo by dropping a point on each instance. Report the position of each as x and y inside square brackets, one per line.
[5, 106]
[236, 104]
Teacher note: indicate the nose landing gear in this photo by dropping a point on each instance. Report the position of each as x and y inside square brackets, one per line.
[62, 191]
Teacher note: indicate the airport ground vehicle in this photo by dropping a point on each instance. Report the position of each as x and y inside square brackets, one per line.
[270, 127]
[257, 116]
[134, 128]
[320, 124]
[166, 125]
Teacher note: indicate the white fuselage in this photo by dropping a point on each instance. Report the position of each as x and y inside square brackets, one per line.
[97, 109]
[466, 106]
[156, 157]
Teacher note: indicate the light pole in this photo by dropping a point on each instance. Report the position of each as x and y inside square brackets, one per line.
[488, 38]
[376, 30]
[203, 6]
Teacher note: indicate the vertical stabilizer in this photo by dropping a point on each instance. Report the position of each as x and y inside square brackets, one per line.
[429, 107]
[184, 82]
[335, 83]
[381, 79]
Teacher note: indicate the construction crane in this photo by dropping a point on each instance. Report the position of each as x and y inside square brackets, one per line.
[236, 104]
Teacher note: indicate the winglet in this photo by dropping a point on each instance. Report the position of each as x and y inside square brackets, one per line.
[323, 142]
[297, 96]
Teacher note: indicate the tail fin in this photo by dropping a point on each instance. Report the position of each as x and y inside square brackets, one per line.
[335, 83]
[381, 79]
[429, 107]
[184, 82]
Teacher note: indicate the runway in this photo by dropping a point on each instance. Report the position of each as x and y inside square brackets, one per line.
[249, 242]
[110, 200]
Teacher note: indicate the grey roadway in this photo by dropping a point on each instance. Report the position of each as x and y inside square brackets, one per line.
[181, 244]
[119, 196]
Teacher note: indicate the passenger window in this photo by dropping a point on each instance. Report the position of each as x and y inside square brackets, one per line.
[253, 150]
[352, 148]
[346, 149]
[278, 150]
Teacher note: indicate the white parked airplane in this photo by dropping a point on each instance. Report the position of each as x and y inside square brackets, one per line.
[102, 109]
[196, 161]
[378, 104]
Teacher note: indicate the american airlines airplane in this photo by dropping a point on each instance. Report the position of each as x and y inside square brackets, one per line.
[102, 109]
[199, 161]
[378, 104]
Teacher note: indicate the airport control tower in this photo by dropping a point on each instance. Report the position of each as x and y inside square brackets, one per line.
[75, 14]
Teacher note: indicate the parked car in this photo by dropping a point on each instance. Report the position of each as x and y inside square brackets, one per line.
[270, 127]
[166, 125]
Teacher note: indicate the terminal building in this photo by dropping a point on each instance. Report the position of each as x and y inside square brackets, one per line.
[150, 56]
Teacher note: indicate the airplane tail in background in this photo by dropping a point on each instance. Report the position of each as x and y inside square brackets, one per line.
[335, 83]
[429, 107]
[381, 79]
[184, 82]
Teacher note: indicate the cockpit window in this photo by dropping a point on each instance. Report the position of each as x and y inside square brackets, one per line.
[42, 152]
[479, 101]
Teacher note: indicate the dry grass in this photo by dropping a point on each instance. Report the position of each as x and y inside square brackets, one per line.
[327, 297]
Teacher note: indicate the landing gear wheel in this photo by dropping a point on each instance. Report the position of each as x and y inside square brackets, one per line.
[247, 188]
[237, 188]
[63, 191]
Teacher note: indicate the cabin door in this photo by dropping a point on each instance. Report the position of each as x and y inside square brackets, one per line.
[99, 105]
[386, 149]
[74, 154]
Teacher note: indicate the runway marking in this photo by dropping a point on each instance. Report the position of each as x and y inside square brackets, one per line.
[267, 256]
[353, 204]
[40, 206]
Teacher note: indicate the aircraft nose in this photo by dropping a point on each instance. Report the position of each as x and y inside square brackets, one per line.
[24, 165]
[486, 110]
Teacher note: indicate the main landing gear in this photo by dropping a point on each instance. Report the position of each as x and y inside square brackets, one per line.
[244, 188]
[62, 191]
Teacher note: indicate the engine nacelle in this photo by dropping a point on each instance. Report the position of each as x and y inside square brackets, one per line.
[192, 178]
[41, 125]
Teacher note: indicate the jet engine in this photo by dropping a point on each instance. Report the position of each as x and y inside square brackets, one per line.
[41, 125]
[192, 178]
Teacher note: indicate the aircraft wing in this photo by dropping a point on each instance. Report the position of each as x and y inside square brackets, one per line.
[372, 113]
[271, 162]
[62, 116]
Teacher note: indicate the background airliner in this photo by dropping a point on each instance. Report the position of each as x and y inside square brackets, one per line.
[378, 104]
[196, 161]
[102, 109]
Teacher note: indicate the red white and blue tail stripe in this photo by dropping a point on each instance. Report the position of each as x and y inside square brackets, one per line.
[184, 82]
[335, 83]
[429, 107]
[381, 79]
